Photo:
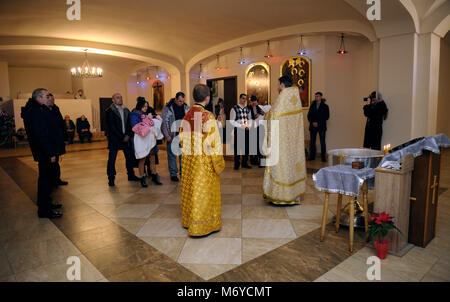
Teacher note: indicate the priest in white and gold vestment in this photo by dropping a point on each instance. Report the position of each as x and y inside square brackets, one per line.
[285, 181]
[202, 161]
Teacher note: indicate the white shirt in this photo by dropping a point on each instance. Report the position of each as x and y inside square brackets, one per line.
[120, 109]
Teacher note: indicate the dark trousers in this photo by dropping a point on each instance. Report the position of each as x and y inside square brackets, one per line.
[45, 185]
[372, 137]
[85, 136]
[255, 145]
[312, 146]
[70, 136]
[240, 149]
[56, 172]
[111, 169]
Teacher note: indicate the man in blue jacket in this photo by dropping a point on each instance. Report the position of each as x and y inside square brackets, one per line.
[46, 139]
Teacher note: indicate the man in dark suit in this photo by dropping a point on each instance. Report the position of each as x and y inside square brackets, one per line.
[46, 139]
[318, 115]
[255, 141]
[119, 132]
[55, 110]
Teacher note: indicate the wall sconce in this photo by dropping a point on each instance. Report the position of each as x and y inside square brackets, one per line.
[342, 50]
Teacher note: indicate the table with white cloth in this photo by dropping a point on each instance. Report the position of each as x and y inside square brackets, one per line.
[344, 180]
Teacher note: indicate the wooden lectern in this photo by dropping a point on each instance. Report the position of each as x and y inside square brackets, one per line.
[424, 198]
[392, 195]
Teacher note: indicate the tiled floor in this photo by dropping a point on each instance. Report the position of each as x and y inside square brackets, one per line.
[128, 233]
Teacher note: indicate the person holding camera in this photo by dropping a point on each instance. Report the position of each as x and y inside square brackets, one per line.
[318, 115]
[376, 112]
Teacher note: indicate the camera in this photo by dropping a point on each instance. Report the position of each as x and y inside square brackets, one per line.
[366, 99]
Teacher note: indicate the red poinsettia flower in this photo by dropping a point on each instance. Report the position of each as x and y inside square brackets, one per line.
[384, 217]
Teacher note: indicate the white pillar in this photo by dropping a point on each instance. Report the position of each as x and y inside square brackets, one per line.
[427, 86]
[398, 55]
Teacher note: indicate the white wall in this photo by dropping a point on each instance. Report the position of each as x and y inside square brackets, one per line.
[104, 87]
[145, 88]
[344, 80]
[443, 118]
[4, 81]
[26, 79]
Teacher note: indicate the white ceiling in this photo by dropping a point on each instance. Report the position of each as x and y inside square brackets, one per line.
[177, 28]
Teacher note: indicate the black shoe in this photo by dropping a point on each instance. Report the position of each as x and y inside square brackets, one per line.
[56, 206]
[311, 159]
[174, 178]
[143, 182]
[133, 178]
[155, 179]
[111, 183]
[247, 167]
[50, 214]
[324, 160]
[62, 183]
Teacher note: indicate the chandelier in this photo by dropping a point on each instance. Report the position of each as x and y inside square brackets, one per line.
[86, 70]
[268, 54]
[302, 50]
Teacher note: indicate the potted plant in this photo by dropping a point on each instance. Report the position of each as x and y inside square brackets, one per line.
[379, 226]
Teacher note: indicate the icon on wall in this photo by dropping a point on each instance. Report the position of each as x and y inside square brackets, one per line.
[257, 82]
[299, 69]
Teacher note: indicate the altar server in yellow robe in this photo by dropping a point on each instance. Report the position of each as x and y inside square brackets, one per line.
[202, 161]
[285, 174]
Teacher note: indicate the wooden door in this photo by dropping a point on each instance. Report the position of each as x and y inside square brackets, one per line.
[230, 95]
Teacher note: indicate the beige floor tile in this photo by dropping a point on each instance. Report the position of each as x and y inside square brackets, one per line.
[312, 213]
[132, 225]
[262, 212]
[162, 227]
[253, 200]
[209, 271]
[267, 228]
[103, 208]
[231, 228]
[133, 211]
[29, 254]
[303, 227]
[171, 246]
[231, 211]
[11, 278]
[231, 189]
[211, 251]
[57, 272]
[255, 247]
[167, 211]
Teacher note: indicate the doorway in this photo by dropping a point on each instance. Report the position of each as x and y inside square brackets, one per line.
[226, 89]
[105, 103]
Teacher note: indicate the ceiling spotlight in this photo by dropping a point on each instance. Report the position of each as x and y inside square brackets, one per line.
[342, 50]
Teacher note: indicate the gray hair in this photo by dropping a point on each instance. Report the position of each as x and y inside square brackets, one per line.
[37, 92]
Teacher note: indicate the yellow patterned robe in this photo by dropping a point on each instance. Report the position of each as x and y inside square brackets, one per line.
[202, 162]
[284, 183]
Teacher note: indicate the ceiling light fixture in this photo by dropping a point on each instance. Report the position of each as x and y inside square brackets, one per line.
[302, 50]
[342, 50]
[268, 54]
[200, 76]
[241, 60]
[218, 68]
[148, 75]
[86, 70]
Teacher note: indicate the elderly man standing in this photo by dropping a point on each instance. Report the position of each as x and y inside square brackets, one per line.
[284, 180]
[46, 139]
[118, 133]
[172, 115]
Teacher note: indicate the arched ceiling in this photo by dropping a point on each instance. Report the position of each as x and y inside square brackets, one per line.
[177, 28]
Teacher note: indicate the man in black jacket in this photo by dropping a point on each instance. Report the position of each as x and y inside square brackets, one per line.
[55, 110]
[318, 115]
[84, 129]
[376, 112]
[46, 140]
[255, 141]
[119, 134]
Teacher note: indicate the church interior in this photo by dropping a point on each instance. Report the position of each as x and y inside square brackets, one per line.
[84, 52]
